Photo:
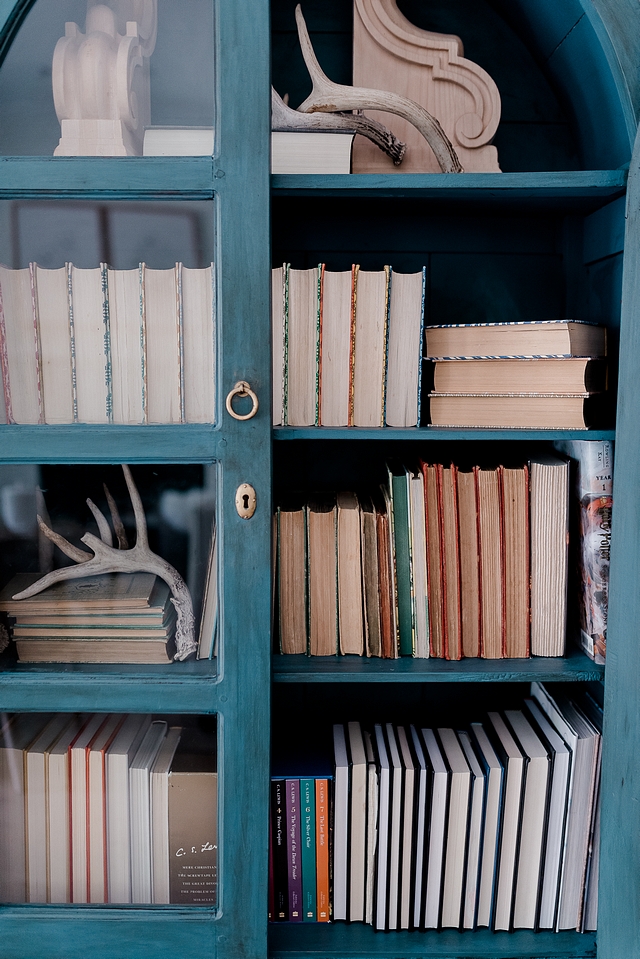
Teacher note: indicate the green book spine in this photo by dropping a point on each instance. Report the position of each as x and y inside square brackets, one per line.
[402, 548]
[308, 822]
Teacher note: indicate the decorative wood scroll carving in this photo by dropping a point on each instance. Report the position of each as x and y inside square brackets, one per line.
[101, 79]
[390, 53]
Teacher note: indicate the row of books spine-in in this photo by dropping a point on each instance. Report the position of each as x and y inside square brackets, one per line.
[495, 825]
[347, 347]
[447, 562]
[106, 808]
[107, 346]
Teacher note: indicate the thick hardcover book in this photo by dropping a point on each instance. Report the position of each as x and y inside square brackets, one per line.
[163, 336]
[79, 807]
[91, 344]
[469, 563]
[308, 842]
[97, 873]
[198, 347]
[476, 822]
[128, 346]
[302, 347]
[371, 578]
[108, 593]
[386, 566]
[537, 411]
[292, 577]
[313, 151]
[323, 842]
[516, 339]
[404, 360]
[19, 348]
[342, 781]
[335, 355]
[160, 816]
[514, 488]
[279, 843]
[384, 817]
[294, 849]
[494, 772]
[278, 288]
[434, 561]
[370, 347]
[357, 824]
[549, 499]
[457, 823]
[322, 576]
[350, 612]
[419, 564]
[58, 814]
[551, 375]
[407, 862]
[439, 777]
[448, 501]
[52, 299]
[396, 791]
[514, 765]
[491, 563]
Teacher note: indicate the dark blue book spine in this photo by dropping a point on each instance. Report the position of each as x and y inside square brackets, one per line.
[294, 850]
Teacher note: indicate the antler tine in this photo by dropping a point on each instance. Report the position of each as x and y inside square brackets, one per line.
[78, 555]
[45, 546]
[142, 539]
[101, 520]
[118, 525]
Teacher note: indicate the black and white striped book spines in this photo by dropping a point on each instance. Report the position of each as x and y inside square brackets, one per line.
[347, 346]
[107, 346]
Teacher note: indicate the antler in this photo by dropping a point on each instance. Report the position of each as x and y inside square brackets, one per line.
[284, 118]
[329, 97]
[107, 559]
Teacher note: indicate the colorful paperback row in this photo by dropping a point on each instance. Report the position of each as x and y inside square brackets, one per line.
[494, 824]
[107, 346]
[107, 809]
[347, 347]
[444, 561]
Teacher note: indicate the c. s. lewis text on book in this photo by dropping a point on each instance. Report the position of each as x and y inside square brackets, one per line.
[107, 346]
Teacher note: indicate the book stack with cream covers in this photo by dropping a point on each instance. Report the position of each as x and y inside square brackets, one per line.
[540, 374]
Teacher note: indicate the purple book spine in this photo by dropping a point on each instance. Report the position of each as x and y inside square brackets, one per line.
[294, 850]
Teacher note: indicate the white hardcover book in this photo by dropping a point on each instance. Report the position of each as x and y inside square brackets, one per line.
[161, 312]
[15, 737]
[52, 298]
[120, 755]
[97, 808]
[160, 816]
[36, 807]
[358, 824]
[127, 346]
[178, 141]
[408, 803]
[340, 823]
[437, 827]
[491, 835]
[279, 275]
[199, 344]
[302, 339]
[549, 525]
[418, 521]
[312, 152]
[476, 813]
[372, 828]
[420, 827]
[140, 811]
[90, 344]
[384, 806]
[406, 318]
[336, 329]
[78, 778]
[457, 820]
[514, 773]
[370, 347]
[559, 794]
[395, 834]
[532, 821]
[19, 348]
[59, 813]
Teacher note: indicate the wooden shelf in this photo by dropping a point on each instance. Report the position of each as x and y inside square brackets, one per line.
[432, 433]
[575, 667]
[578, 190]
[358, 941]
[190, 687]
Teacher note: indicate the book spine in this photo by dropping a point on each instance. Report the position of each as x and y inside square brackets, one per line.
[308, 821]
[595, 491]
[402, 549]
[214, 334]
[323, 907]
[385, 338]
[36, 339]
[180, 332]
[278, 832]
[72, 339]
[316, 419]
[352, 338]
[285, 366]
[294, 858]
[421, 346]
[106, 323]
[272, 901]
[4, 362]
[143, 344]
[476, 482]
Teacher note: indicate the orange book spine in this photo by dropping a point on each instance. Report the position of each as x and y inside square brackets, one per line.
[322, 851]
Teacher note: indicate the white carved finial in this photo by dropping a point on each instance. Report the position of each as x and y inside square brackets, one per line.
[101, 79]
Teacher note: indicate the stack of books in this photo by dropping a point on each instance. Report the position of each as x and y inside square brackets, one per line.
[443, 561]
[491, 825]
[107, 808]
[116, 618]
[107, 346]
[542, 374]
[347, 347]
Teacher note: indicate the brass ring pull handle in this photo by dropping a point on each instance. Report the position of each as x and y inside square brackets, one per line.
[242, 389]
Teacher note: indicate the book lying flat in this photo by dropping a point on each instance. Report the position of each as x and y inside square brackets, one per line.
[517, 411]
[108, 593]
[310, 152]
[569, 375]
[526, 338]
[141, 651]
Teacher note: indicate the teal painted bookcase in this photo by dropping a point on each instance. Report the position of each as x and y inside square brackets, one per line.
[559, 213]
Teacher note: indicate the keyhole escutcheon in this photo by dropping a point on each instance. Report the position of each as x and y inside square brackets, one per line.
[245, 501]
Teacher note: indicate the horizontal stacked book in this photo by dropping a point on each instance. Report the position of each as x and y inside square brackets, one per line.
[544, 374]
[442, 561]
[494, 825]
[107, 808]
[107, 346]
[347, 347]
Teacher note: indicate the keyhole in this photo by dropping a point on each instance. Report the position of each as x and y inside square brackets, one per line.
[245, 500]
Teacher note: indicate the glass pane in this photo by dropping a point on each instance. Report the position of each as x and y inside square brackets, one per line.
[149, 606]
[109, 312]
[162, 70]
[105, 808]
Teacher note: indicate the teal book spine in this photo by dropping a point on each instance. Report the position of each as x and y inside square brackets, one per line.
[402, 548]
[308, 822]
